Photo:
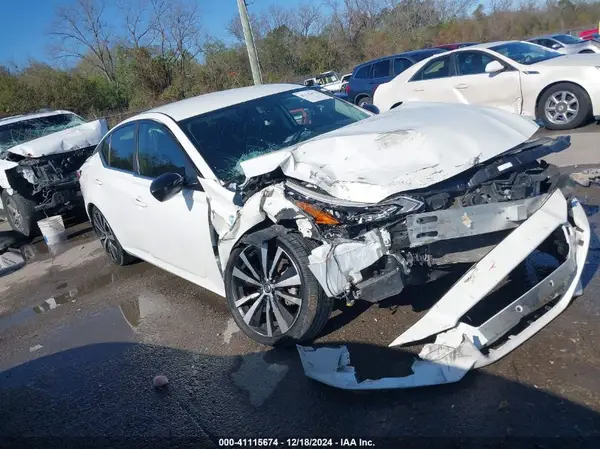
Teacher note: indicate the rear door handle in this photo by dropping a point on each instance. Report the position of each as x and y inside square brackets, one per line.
[98, 182]
[140, 203]
[461, 86]
[419, 90]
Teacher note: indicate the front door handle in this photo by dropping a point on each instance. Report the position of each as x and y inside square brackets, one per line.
[140, 203]
[419, 90]
[99, 182]
[461, 86]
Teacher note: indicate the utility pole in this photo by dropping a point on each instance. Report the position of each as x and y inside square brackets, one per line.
[252, 55]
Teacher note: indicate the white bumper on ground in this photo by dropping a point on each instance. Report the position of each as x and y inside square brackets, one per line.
[458, 346]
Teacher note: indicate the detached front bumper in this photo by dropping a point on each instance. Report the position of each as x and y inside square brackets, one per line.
[460, 347]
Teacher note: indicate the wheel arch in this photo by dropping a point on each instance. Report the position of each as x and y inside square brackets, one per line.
[360, 97]
[263, 224]
[545, 89]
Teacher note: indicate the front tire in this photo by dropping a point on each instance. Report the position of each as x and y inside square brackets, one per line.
[109, 241]
[20, 213]
[271, 293]
[564, 106]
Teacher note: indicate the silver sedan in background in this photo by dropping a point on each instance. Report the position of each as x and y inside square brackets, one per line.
[567, 44]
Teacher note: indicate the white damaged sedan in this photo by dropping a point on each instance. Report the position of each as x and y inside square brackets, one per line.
[284, 198]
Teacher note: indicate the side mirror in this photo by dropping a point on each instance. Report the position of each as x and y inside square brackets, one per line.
[371, 108]
[494, 67]
[166, 186]
[555, 46]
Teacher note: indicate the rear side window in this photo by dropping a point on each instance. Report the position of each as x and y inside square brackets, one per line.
[400, 65]
[381, 69]
[438, 68]
[122, 148]
[363, 72]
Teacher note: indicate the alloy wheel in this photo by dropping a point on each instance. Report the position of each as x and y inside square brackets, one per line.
[267, 289]
[107, 237]
[15, 216]
[561, 107]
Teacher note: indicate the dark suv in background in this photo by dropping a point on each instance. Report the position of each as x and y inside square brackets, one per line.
[367, 76]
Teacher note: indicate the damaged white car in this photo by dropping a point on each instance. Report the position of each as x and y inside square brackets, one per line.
[283, 212]
[39, 156]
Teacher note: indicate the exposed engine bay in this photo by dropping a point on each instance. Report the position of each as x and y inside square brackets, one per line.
[50, 181]
[428, 232]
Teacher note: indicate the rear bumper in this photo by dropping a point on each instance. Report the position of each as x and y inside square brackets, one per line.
[460, 347]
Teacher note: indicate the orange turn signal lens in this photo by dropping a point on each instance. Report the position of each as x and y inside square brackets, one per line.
[319, 216]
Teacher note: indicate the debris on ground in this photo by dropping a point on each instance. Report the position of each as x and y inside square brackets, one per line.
[160, 382]
[35, 348]
[587, 177]
[10, 261]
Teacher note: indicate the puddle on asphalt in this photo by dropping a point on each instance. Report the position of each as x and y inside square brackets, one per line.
[136, 310]
[55, 301]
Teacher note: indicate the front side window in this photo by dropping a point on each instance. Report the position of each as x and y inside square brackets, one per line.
[472, 62]
[122, 148]
[400, 65]
[226, 137]
[525, 52]
[381, 69]
[160, 153]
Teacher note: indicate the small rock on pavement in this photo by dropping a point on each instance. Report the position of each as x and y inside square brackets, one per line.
[160, 382]
[502, 405]
[586, 177]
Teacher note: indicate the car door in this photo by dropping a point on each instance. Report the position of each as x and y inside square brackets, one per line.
[472, 85]
[177, 235]
[113, 185]
[433, 82]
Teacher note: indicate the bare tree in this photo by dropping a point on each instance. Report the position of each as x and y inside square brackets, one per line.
[139, 21]
[81, 32]
[307, 18]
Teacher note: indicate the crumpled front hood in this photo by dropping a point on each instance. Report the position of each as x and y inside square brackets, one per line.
[413, 146]
[70, 139]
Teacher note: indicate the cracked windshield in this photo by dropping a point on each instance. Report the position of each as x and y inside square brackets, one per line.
[12, 134]
[229, 136]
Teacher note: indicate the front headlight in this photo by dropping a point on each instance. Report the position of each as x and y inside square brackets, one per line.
[328, 210]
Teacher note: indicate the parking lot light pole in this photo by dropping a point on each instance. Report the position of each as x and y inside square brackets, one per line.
[250, 46]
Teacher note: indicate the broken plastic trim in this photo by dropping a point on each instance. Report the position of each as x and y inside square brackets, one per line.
[438, 364]
[457, 347]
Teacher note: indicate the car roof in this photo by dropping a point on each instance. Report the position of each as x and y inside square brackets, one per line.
[488, 45]
[404, 54]
[190, 107]
[29, 116]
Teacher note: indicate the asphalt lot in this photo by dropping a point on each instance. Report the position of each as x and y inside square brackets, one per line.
[82, 364]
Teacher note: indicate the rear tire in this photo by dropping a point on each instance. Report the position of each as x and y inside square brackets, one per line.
[564, 106]
[109, 241]
[291, 313]
[364, 100]
[20, 213]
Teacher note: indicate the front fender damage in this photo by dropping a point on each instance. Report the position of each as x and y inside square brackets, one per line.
[336, 263]
[231, 222]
